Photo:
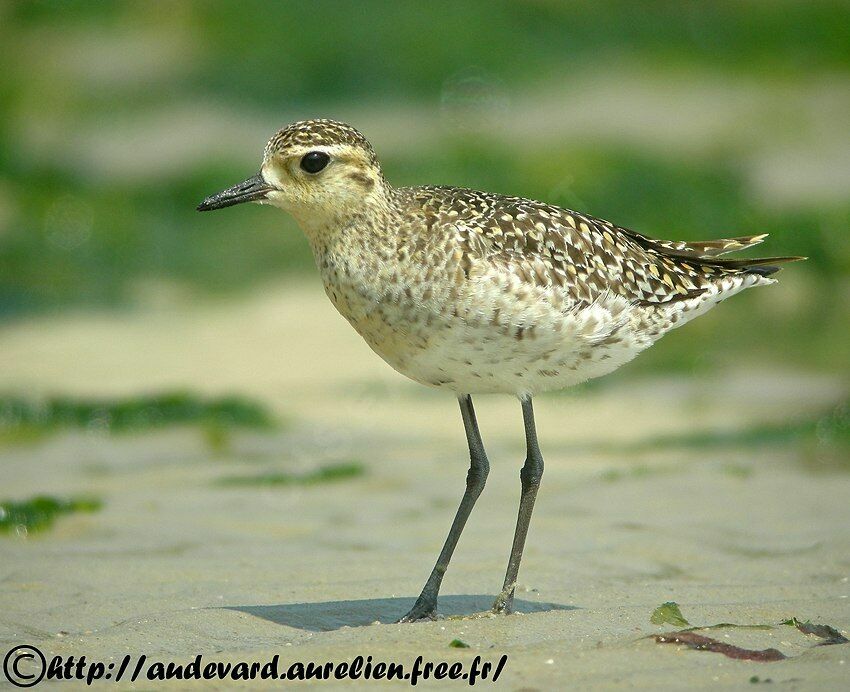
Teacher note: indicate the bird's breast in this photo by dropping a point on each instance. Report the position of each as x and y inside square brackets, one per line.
[476, 335]
[377, 306]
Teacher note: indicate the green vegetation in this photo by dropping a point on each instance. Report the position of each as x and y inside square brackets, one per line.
[458, 644]
[21, 419]
[318, 51]
[733, 625]
[329, 473]
[76, 232]
[668, 614]
[828, 634]
[40, 512]
[636, 471]
[823, 443]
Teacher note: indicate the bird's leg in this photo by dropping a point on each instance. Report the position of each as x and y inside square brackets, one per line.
[530, 476]
[426, 605]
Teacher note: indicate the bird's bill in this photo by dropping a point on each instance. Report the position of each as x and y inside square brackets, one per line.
[251, 190]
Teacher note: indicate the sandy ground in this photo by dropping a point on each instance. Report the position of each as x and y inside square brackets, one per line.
[176, 565]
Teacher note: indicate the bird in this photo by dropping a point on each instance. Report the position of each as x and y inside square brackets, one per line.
[475, 292]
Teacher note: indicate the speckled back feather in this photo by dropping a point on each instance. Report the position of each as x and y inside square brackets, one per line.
[550, 246]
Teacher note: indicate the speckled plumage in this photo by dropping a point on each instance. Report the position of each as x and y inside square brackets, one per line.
[478, 292]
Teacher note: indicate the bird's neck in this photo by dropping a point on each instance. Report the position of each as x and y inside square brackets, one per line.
[353, 236]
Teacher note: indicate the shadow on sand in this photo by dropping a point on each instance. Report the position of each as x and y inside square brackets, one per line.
[331, 615]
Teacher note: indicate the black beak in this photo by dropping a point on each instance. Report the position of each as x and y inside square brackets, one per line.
[247, 191]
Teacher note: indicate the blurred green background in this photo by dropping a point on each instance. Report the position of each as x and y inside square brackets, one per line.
[679, 119]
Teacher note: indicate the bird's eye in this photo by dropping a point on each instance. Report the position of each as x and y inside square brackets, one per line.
[314, 161]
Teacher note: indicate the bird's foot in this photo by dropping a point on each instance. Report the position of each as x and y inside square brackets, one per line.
[421, 610]
[504, 603]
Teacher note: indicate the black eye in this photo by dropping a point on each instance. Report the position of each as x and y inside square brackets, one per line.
[314, 161]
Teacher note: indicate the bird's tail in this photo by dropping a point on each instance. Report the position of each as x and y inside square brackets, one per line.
[697, 249]
[763, 266]
[709, 252]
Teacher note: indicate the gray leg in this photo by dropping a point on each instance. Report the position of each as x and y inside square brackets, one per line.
[479, 467]
[530, 476]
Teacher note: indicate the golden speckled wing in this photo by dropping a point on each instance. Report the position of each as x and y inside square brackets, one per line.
[546, 245]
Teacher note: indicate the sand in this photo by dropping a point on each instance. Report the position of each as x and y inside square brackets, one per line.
[176, 564]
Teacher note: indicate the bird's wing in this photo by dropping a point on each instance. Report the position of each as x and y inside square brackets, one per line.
[586, 257]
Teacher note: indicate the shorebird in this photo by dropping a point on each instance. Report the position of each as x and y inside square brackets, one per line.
[475, 292]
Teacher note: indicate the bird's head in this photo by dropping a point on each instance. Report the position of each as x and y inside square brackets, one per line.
[315, 169]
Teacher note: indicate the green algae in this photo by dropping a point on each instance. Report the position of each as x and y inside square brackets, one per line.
[329, 473]
[22, 419]
[40, 512]
[668, 614]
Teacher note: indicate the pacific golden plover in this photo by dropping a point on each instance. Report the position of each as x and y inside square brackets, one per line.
[476, 292]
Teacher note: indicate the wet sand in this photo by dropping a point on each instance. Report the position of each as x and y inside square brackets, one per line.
[176, 564]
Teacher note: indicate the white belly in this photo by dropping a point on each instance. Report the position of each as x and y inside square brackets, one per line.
[474, 360]
[488, 338]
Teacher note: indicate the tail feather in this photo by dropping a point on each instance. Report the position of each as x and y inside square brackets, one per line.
[764, 266]
[708, 252]
[698, 249]
[731, 269]
[722, 246]
[715, 248]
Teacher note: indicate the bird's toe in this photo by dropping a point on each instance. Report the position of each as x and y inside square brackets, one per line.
[504, 603]
[419, 613]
